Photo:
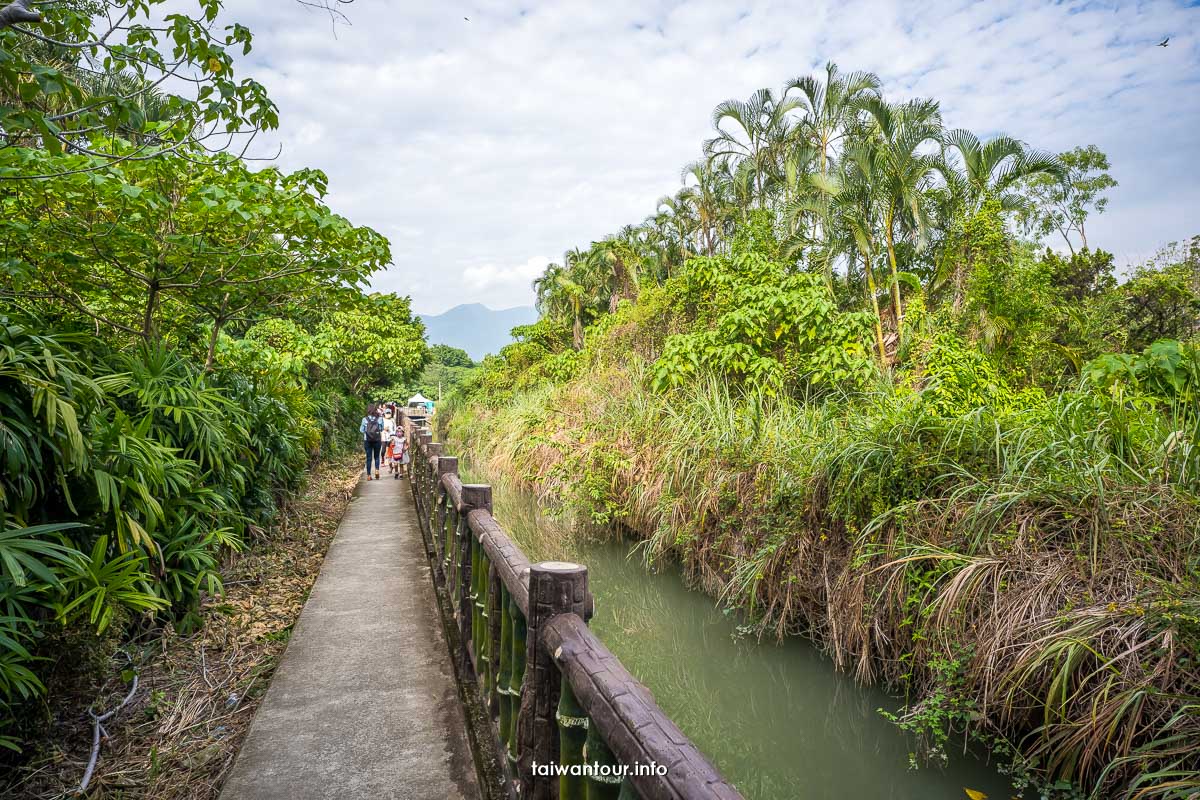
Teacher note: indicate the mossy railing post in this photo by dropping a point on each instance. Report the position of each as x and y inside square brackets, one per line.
[474, 496]
[446, 465]
[516, 683]
[491, 644]
[555, 587]
[421, 477]
[451, 560]
[504, 670]
[573, 727]
[478, 601]
[604, 781]
[431, 491]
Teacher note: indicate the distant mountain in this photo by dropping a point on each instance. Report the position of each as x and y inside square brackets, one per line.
[476, 328]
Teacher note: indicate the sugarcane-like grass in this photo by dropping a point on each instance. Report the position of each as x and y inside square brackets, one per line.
[1027, 577]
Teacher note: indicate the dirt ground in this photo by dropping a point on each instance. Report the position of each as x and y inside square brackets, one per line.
[196, 695]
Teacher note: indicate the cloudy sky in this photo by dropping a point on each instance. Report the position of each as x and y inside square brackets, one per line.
[483, 148]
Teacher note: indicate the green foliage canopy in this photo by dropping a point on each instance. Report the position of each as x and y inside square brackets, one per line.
[163, 246]
[760, 323]
[1062, 204]
[376, 341]
[71, 69]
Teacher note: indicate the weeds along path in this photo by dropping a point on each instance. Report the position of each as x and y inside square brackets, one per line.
[197, 693]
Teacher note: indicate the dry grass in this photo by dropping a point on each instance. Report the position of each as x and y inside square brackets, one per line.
[197, 693]
[1052, 558]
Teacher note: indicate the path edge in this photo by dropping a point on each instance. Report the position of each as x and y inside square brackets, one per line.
[485, 747]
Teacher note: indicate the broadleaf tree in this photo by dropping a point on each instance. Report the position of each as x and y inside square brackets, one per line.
[83, 76]
[1062, 203]
[152, 248]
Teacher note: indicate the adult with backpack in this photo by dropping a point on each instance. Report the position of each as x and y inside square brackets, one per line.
[372, 431]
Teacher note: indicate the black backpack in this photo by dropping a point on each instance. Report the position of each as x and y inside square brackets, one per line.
[374, 429]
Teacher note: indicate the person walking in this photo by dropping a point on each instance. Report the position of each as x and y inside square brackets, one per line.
[372, 430]
[389, 430]
[397, 453]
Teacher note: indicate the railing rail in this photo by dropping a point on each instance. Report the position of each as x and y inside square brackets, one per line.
[554, 693]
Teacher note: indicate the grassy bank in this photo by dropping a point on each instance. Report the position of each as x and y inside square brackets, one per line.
[1023, 570]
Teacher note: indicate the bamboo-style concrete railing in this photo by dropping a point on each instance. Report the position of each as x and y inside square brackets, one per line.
[554, 693]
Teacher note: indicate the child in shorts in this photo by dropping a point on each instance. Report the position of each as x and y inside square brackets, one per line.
[397, 453]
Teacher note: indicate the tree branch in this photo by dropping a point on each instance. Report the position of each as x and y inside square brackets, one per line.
[97, 722]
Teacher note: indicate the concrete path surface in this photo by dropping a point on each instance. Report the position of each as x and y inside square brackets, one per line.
[363, 704]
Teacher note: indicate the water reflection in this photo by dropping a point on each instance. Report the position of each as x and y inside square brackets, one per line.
[777, 720]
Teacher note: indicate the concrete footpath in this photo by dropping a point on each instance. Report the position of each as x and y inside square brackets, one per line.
[363, 704]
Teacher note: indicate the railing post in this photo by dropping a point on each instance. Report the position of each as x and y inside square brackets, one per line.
[491, 645]
[504, 671]
[574, 732]
[478, 595]
[603, 783]
[447, 465]
[517, 680]
[431, 489]
[449, 533]
[555, 587]
[421, 478]
[424, 437]
[474, 496]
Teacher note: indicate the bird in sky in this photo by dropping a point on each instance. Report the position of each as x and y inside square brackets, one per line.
[468, 19]
[1163, 43]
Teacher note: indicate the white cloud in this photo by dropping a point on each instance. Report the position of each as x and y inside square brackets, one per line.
[532, 129]
[496, 284]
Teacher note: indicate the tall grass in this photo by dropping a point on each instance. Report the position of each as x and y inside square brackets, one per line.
[1043, 560]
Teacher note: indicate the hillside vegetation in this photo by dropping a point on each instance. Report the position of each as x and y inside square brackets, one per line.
[839, 379]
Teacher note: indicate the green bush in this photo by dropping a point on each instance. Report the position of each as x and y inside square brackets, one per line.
[127, 472]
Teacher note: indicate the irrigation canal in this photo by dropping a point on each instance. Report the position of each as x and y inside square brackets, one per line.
[777, 719]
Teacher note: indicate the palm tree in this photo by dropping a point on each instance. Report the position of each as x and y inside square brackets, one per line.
[677, 219]
[737, 182]
[616, 258]
[845, 205]
[547, 299]
[979, 170]
[710, 197]
[573, 292]
[756, 129]
[856, 212]
[665, 238]
[975, 171]
[900, 173]
[829, 106]
[796, 182]
[561, 292]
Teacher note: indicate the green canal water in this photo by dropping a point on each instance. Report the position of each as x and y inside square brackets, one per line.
[777, 719]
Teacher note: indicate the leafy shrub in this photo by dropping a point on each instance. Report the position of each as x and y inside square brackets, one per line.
[127, 473]
[760, 323]
[1168, 370]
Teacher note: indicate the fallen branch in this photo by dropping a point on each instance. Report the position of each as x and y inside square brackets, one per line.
[97, 728]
